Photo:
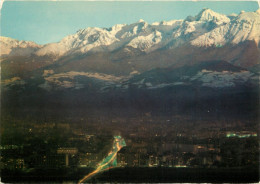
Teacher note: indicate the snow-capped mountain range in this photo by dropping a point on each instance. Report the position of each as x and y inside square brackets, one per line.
[123, 56]
[206, 29]
[206, 63]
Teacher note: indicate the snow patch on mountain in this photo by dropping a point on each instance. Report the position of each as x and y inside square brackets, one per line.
[166, 27]
[131, 31]
[73, 74]
[135, 72]
[204, 77]
[167, 23]
[215, 37]
[47, 73]
[69, 79]
[221, 79]
[116, 28]
[145, 42]
[13, 81]
[165, 85]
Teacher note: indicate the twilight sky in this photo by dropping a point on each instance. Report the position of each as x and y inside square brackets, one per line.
[50, 21]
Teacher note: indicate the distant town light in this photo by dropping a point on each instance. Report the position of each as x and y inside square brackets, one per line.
[241, 135]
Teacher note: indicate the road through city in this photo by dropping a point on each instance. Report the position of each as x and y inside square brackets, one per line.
[109, 161]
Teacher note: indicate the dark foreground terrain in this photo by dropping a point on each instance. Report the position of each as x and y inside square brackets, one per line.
[174, 175]
[139, 175]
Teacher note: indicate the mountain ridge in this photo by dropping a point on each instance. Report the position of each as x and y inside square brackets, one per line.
[207, 28]
[105, 56]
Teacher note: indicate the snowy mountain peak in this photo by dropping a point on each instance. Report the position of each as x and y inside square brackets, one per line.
[246, 27]
[243, 27]
[243, 11]
[8, 45]
[141, 20]
[209, 15]
[16, 43]
[117, 28]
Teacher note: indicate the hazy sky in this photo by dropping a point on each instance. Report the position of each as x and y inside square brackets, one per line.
[45, 22]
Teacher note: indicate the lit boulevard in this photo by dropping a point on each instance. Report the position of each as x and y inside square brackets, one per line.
[109, 161]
